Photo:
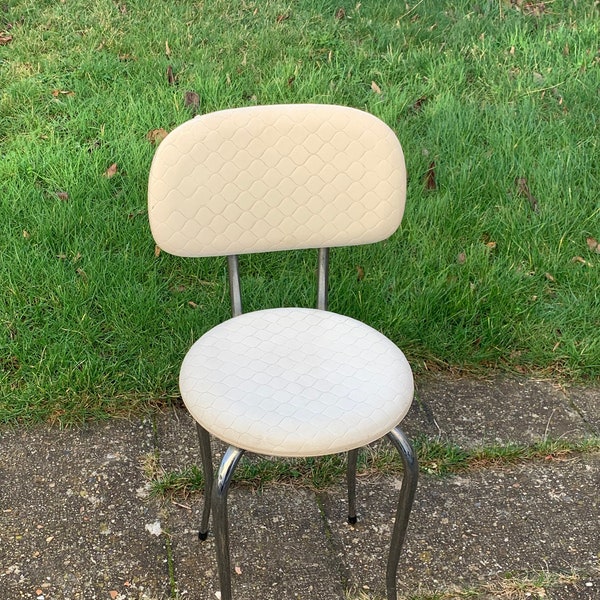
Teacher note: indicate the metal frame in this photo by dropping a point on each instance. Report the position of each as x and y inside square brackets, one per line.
[215, 491]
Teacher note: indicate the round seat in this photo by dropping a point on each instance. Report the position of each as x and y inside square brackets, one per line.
[296, 382]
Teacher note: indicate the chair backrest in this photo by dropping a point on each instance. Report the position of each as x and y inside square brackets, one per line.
[281, 177]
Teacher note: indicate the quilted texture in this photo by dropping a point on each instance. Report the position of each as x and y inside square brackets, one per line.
[296, 382]
[280, 177]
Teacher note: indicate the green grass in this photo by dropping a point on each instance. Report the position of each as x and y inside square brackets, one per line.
[435, 458]
[94, 324]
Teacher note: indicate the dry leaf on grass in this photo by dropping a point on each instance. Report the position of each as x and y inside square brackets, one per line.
[156, 136]
[156, 251]
[167, 49]
[5, 39]
[360, 273]
[170, 75]
[523, 190]
[461, 258]
[340, 13]
[430, 183]
[62, 196]
[375, 87]
[57, 93]
[282, 18]
[593, 244]
[418, 104]
[192, 100]
[111, 171]
[581, 260]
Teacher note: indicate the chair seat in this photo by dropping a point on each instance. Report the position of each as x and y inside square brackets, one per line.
[296, 382]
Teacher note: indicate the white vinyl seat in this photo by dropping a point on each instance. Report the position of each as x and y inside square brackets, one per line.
[293, 381]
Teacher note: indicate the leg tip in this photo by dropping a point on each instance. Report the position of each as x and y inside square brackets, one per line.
[202, 535]
[352, 520]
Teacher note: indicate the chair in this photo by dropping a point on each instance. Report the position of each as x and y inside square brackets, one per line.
[286, 381]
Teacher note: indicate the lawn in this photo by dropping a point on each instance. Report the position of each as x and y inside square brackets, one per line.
[496, 265]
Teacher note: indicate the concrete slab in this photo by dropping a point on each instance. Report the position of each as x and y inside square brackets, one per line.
[503, 410]
[73, 515]
[468, 530]
[586, 401]
[279, 548]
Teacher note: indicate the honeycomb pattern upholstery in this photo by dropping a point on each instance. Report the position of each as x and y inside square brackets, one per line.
[296, 382]
[268, 178]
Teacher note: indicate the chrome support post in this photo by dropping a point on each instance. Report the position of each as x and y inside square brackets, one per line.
[351, 478]
[207, 470]
[220, 522]
[235, 293]
[323, 278]
[407, 495]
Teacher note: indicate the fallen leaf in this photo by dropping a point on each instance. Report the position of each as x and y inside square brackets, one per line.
[5, 39]
[170, 76]
[113, 594]
[156, 136]
[62, 195]
[282, 18]
[340, 13]
[360, 273]
[461, 258]
[593, 245]
[26, 234]
[430, 183]
[291, 80]
[39, 592]
[57, 93]
[491, 245]
[375, 87]
[192, 100]
[238, 570]
[82, 274]
[111, 171]
[581, 260]
[419, 103]
[167, 49]
[156, 251]
[523, 190]
[192, 304]
[549, 277]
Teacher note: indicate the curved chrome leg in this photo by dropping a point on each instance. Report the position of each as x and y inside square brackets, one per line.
[407, 494]
[207, 469]
[351, 478]
[220, 524]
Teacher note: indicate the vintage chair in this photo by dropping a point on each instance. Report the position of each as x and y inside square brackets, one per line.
[286, 381]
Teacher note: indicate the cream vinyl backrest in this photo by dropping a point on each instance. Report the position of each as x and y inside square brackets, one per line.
[278, 177]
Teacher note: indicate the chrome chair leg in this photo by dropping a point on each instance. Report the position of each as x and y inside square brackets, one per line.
[407, 494]
[351, 478]
[220, 521]
[207, 469]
